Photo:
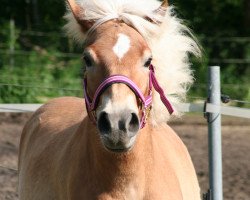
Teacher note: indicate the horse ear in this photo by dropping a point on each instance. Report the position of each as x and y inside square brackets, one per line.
[164, 4]
[162, 9]
[78, 13]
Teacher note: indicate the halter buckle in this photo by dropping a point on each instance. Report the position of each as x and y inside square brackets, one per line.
[145, 114]
[147, 111]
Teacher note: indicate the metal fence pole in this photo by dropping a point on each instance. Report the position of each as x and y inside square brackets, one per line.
[214, 135]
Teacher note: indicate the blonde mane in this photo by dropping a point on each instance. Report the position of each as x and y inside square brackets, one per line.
[171, 43]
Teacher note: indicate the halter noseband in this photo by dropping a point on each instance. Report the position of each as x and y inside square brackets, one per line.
[146, 102]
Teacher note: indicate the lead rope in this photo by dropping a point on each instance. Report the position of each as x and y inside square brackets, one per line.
[158, 88]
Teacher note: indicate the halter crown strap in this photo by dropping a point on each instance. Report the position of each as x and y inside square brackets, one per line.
[101, 21]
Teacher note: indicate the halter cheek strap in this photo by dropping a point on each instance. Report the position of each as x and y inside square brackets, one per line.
[146, 102]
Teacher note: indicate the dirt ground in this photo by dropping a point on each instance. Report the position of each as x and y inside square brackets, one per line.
[192, 129]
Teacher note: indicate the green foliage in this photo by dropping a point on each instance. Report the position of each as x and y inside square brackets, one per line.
[35, 78]
[223, 29]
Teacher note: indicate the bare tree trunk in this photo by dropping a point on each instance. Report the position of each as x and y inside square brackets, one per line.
[246, 31]
[247, 17]
[27, 14]
[36, 13]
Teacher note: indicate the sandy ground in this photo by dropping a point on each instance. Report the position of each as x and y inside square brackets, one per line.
[192, 129]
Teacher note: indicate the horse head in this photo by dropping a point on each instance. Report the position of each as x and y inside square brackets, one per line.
[123, 40]
[112, 47]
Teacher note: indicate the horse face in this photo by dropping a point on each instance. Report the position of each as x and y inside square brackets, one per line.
[117, 49]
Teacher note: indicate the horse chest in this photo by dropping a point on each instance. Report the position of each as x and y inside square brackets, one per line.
[132, 191]
[129, 193]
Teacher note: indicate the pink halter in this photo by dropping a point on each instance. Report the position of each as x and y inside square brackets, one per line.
[146, 102]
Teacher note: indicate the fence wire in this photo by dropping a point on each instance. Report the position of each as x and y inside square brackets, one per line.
[39, 87]
[8, 168]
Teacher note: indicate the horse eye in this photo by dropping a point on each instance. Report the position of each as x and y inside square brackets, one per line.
[148, 62]
[88, 61]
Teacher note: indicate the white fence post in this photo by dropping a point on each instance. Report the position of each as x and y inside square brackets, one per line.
[214, 135]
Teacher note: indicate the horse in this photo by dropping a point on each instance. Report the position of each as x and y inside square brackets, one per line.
[115, 143]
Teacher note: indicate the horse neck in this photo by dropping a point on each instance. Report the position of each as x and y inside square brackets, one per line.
[116, 165]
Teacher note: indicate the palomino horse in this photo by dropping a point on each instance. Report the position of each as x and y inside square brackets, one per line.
[116, 144]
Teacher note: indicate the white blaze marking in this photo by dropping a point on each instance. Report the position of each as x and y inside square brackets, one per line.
[122, 45]
[109, 106]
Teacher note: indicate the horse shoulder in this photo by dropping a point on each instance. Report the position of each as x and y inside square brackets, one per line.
[44, 140]
[52, 119]
[174, 157]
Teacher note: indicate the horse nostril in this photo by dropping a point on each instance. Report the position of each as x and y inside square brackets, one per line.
[134, 123]
[104, 124]
[126, 122]
[122, 125]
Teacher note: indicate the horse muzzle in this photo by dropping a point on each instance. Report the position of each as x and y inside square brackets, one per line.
[118, 130]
